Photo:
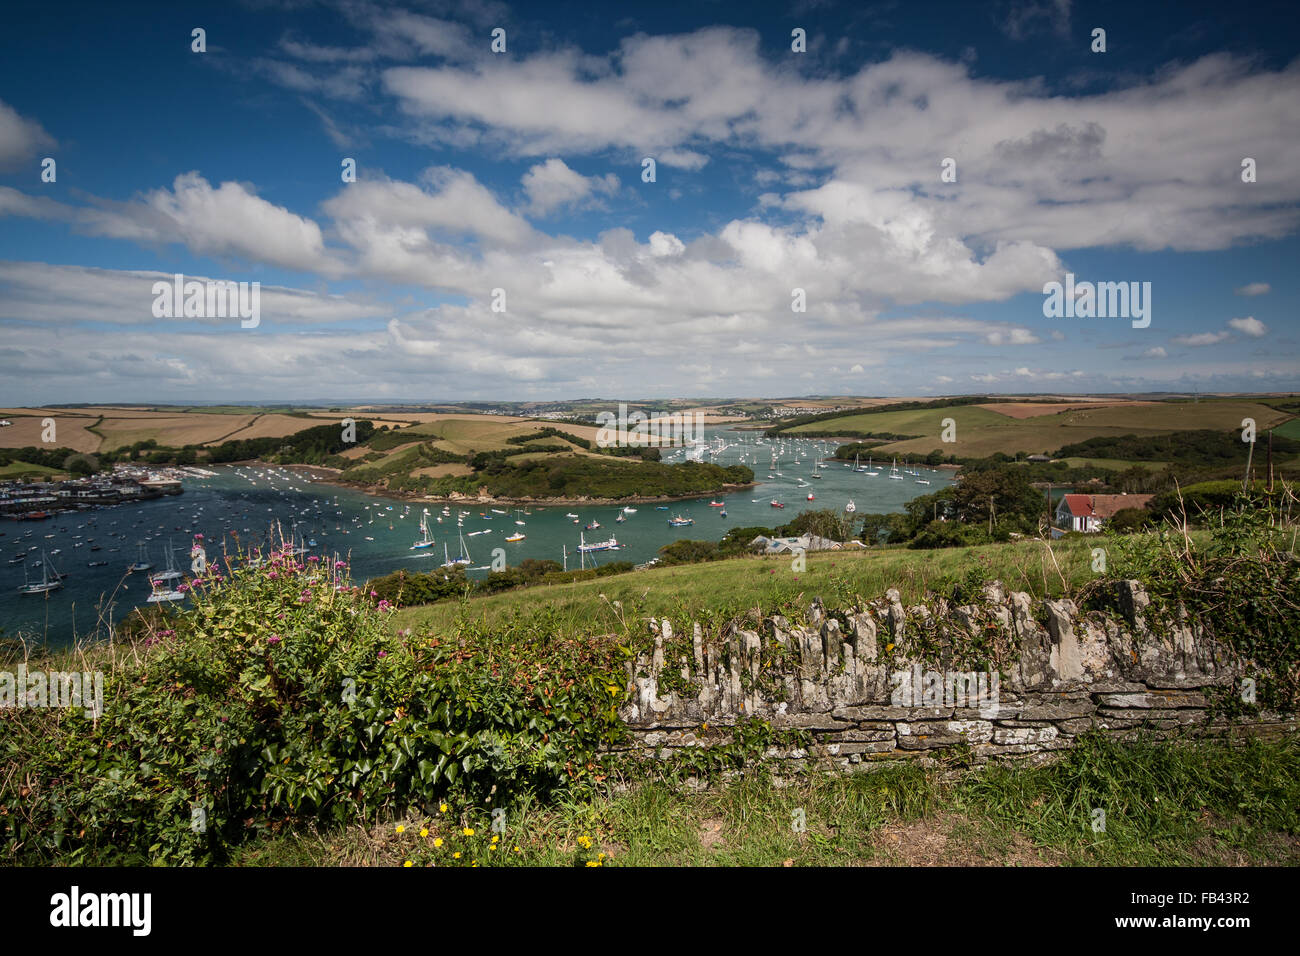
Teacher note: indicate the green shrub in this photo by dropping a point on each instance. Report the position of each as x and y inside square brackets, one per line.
[282, 698]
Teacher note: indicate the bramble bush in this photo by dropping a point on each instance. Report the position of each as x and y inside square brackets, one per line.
[282, 697]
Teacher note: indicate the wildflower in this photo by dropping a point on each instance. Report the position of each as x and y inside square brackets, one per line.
[584, 842]
[374, 594]
[495, 839]
[401, 829]
[468, 831]
[437, 841]
[408, 863]
[383, 653]
[424, 832]
[443, 808]
[517, 850]
[592, 863]
[456, 855]
[273, 639]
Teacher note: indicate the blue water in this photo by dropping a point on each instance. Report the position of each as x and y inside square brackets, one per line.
[241, 506]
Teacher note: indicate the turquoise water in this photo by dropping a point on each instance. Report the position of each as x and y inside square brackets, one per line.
[375, 534]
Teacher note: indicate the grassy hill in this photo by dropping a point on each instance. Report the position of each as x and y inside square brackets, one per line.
[982, 431]
[718, 589]
[20, 469]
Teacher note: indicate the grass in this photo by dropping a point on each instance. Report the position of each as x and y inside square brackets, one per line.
[20, 469]
[122, 430]
[981, 432]
[694, 590]
[1289, 429]
[1114, 464]
[1199, 803]
[916, 421]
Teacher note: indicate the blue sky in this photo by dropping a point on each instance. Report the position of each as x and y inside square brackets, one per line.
[522, 171]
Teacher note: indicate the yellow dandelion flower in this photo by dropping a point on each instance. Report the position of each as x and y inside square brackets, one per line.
[495, 839]
[443, 808]
[408, 863]
[456, 855]
[401, 829]
[424, 832]
[592, 863]
[468, 831]
[492, 847]
[437, 841]
[517, 850]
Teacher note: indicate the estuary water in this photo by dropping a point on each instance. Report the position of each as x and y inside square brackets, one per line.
[241, 506]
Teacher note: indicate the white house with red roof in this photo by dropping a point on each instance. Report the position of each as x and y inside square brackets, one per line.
[1089, 513]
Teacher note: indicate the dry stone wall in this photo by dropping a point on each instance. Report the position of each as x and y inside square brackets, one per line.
[1006, 676]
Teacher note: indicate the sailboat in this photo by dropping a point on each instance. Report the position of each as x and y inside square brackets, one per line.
[45, 585]
[142, 562]
[426, 541]
[893, 472]
[164, 591]
[462, 558]
[293, 548]
[171, 574]
[872, 471]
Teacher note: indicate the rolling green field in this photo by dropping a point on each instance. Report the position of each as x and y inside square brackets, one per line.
[19, 469]
[914, 421]
[1115, 464]
[981, 432]
[732, 586]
